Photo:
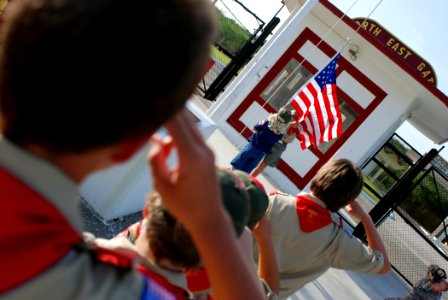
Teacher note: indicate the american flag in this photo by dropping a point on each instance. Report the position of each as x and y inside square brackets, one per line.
[317, 105]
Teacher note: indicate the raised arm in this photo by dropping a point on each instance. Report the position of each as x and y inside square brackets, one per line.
[191, 193]
[373, 238]
[267, 263]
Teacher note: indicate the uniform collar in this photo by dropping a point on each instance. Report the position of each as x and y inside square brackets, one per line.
[311, 214]
[45, 178]
[176, 278]
[314, 198]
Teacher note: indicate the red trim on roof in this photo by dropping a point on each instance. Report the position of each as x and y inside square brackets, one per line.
[377, 44]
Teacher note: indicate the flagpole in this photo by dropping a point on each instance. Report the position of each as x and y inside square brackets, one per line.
[349, 39]
[321, 133]
[312, 77]
[304, 8]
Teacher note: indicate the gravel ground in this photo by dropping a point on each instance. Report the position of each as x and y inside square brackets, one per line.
[95, 224]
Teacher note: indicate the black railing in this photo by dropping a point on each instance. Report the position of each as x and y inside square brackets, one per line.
[235, 45]
[410, 217]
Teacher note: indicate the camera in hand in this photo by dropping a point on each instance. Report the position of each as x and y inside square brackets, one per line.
[437, 275]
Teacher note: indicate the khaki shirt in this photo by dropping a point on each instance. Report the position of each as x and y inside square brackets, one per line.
[289, 138]
[76, 275]
[303, 257]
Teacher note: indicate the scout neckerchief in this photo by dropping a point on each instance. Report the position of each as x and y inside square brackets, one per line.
[311, 215]
[34, 236]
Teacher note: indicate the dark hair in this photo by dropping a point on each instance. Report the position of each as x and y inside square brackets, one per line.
[80, 74]
[168, 238]
[337, 183]
[436, 274]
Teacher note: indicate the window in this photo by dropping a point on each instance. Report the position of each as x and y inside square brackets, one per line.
[388, 165]
[288, 81]
[349, 115]
[285, 84]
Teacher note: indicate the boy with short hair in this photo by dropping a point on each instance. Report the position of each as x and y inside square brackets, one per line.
[74, 99]
[168, 247]
[307, 242]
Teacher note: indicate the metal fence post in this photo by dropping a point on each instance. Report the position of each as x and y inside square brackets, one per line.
[246, 53]
[395, 194]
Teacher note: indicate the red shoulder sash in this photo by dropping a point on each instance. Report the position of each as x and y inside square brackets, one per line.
[311, 215]
[33, 233]
[197, 280]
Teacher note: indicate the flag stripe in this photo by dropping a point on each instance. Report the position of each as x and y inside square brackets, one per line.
[310, 129]
[302, 102]
[321, 116]
[329, 120]
[314, 121]
[301, 105]
[303, 136]
[335, 126]
[335, 117]
[318, 108]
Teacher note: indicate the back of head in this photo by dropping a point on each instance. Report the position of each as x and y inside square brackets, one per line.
[79, 74]
[284, 115]
[278, 122]
[337, 183]
[436, 274]
[258, 199]
[168, 239]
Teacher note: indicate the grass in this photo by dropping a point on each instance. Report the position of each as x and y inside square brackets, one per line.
[221, 56]
[368, 192]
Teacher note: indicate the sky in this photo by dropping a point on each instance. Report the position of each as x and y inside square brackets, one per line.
[419, 24]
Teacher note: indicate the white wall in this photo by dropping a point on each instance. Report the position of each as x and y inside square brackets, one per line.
[121, 190]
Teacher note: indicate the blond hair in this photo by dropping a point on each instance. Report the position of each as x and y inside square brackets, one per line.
[275, 125]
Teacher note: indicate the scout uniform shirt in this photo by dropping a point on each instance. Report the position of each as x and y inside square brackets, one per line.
[42, 253]
[307, 243]
[264, 138]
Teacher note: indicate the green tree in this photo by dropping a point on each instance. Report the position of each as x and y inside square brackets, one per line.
[231, 35]
[426, 205]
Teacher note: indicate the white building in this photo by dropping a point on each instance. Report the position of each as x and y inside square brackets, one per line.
[381, 83]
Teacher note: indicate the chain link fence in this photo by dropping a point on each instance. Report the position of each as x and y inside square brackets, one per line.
[415, 232]
[237, 26]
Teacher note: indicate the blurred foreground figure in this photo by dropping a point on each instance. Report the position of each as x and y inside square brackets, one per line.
[74, 99]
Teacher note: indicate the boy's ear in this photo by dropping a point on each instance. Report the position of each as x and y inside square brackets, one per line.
[127, 148]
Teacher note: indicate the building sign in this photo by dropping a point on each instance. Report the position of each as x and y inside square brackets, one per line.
[398, 48]
[440, 164]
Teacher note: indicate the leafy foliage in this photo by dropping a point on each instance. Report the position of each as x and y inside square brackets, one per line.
[231, 35]
[428, 204]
